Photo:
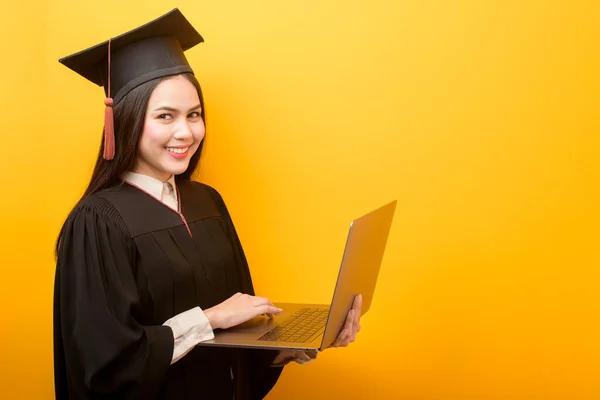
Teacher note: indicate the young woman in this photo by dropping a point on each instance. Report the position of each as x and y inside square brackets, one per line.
[149, 262]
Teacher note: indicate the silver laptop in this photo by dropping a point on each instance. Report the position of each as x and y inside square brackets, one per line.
[316, 326]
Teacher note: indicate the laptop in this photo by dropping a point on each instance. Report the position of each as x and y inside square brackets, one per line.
[316, 326]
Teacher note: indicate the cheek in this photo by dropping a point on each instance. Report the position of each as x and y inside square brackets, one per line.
[198, 131]
[153, 135]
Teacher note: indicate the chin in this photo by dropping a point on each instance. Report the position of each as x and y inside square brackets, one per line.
[177, 170]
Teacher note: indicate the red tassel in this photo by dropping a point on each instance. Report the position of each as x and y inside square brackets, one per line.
[109, 130]
[109, 123]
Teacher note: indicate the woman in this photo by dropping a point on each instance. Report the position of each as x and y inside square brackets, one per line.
[149, 262]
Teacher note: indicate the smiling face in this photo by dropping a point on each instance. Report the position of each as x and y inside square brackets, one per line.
[173, 129]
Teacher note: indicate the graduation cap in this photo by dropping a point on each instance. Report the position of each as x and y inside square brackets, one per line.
[120, 64]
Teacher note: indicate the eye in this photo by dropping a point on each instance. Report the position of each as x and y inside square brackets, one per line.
[194, 115]
[165, 116]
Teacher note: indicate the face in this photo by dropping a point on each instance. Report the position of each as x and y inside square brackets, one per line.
[173, 129]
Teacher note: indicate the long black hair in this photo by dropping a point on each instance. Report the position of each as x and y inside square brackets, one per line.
[129, 116]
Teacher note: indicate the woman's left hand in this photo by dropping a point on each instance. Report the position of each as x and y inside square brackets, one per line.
[352, 325]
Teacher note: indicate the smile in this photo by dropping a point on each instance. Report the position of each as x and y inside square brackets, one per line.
[177, 150]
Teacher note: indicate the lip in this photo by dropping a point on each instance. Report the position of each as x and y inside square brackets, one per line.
[178, 155]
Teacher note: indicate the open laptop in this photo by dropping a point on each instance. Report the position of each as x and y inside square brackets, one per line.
[316, 326]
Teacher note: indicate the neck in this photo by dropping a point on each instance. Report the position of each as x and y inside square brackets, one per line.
[159, 175]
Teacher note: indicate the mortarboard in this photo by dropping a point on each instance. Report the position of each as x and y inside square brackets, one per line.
[153, 50]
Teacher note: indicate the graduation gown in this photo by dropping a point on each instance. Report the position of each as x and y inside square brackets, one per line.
[126, 264]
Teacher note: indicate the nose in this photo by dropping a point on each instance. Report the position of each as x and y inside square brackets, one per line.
[183, 131]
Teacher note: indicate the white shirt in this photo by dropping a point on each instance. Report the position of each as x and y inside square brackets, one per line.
[190, 327]
[165, 192]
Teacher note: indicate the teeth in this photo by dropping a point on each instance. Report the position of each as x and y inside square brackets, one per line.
[176, 150]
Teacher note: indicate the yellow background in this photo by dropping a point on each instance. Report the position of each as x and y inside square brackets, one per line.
[480, 117]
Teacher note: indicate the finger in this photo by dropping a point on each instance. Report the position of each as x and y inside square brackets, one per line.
[357, 306]
[302, 358]
[348, 328]
[261, 301]
[307, 360]
[352, 337]
[346, 341]
[339, 342]
[339, 339]
[311, 353]
[268, 309]
[353, 332]
[343, 337]
[349, 321]
[284, 357]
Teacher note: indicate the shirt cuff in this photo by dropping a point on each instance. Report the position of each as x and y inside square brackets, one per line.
[189, 328]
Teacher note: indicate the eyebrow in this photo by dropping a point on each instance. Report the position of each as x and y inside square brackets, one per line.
[171, 109]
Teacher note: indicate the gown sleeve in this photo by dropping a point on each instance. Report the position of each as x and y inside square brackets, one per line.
[262, 374]
[106, 351]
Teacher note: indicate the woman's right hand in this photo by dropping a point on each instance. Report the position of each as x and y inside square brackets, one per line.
[238, 309]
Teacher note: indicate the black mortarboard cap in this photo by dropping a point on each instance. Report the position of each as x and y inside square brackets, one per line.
[124, 62]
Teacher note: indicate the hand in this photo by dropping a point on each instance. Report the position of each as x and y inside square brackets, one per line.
[352, 325]
[300, 356]
[239, 308]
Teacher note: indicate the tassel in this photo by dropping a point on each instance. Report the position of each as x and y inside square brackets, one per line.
[109, 130]
[109, 122]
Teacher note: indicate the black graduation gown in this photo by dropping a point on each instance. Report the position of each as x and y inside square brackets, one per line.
[127, 264]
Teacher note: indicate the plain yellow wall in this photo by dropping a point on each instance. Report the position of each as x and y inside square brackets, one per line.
[480, 117]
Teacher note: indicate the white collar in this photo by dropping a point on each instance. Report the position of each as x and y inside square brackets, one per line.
[149, 184]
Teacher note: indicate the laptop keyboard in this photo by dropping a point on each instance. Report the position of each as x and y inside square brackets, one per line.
[300, 328]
